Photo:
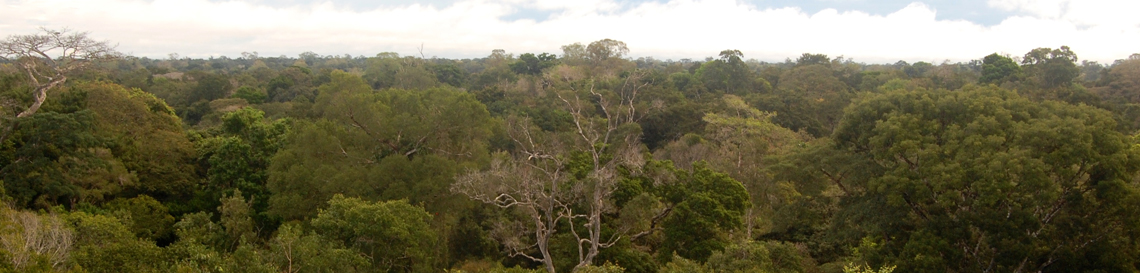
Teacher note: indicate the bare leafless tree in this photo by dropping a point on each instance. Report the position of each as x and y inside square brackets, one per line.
[47, 58]
[533, 181]
[26, 236]
[537, 181]
[599, 129]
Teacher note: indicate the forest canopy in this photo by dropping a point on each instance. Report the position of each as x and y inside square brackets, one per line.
[579, 160]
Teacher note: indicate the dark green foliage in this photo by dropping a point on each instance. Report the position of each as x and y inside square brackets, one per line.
[449, 74]
[530, 64]
[238, 158]
[730, 75]
[708, 204]
[997, 69]
[209, 86]
[43, 153]
[147, 218]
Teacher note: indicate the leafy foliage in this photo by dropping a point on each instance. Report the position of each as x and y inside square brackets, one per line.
[537, 162]
[394, 234]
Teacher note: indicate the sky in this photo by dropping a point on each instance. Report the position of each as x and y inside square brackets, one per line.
[871, 31]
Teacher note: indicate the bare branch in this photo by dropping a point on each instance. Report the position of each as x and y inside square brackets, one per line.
[49, 56]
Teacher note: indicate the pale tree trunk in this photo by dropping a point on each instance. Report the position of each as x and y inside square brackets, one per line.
[70, 52]
[41, 96]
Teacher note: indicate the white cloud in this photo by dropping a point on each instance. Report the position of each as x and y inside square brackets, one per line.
[1091, 13]
[673, 29]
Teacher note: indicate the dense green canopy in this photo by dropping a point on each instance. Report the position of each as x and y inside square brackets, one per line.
[586, 160]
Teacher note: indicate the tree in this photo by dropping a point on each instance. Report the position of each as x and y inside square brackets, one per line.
[389, 70]
[751, 256]
[601, 50]
[1051, 68]
[982, 178]
[742, 139]
[145, 135]
[144, 216]
[605, 56]
[997, 69]
[209, 86]
[293, 250]
[377, 145]
[1120, 88]
[531, 64]
[394, 234]
[29, 240]
[729, 74]
[706, 205]
[49, 57]
[107, 245]
[236, 221]
[48, 150]
[541, 194]
[565, 176]
[250, 94]
[238, 158]
[574, 54]
[809, 98]
[813, 59]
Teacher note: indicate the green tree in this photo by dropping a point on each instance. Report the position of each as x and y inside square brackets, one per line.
[813, 59]
[105, 244]
[250, 94]
[42, 154]
[808, 98]
[1118, 88]
[982, 178]
[238, 158]
[531, 64]
[681, 265]
[391, 144]
[1051, 68]
[146, 217]
[394, 234]
[389, 70]
[742, 139]
[754, 256]
[706, 206]
[293, 250]
[236, 221]
[729, 74]
[997, 69]
[209, 86]
[145, 135]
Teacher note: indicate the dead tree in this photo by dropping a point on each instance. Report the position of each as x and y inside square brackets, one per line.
[532, 181]
[537, 179]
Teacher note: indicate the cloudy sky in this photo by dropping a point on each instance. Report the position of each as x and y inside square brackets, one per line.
[874, 31]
